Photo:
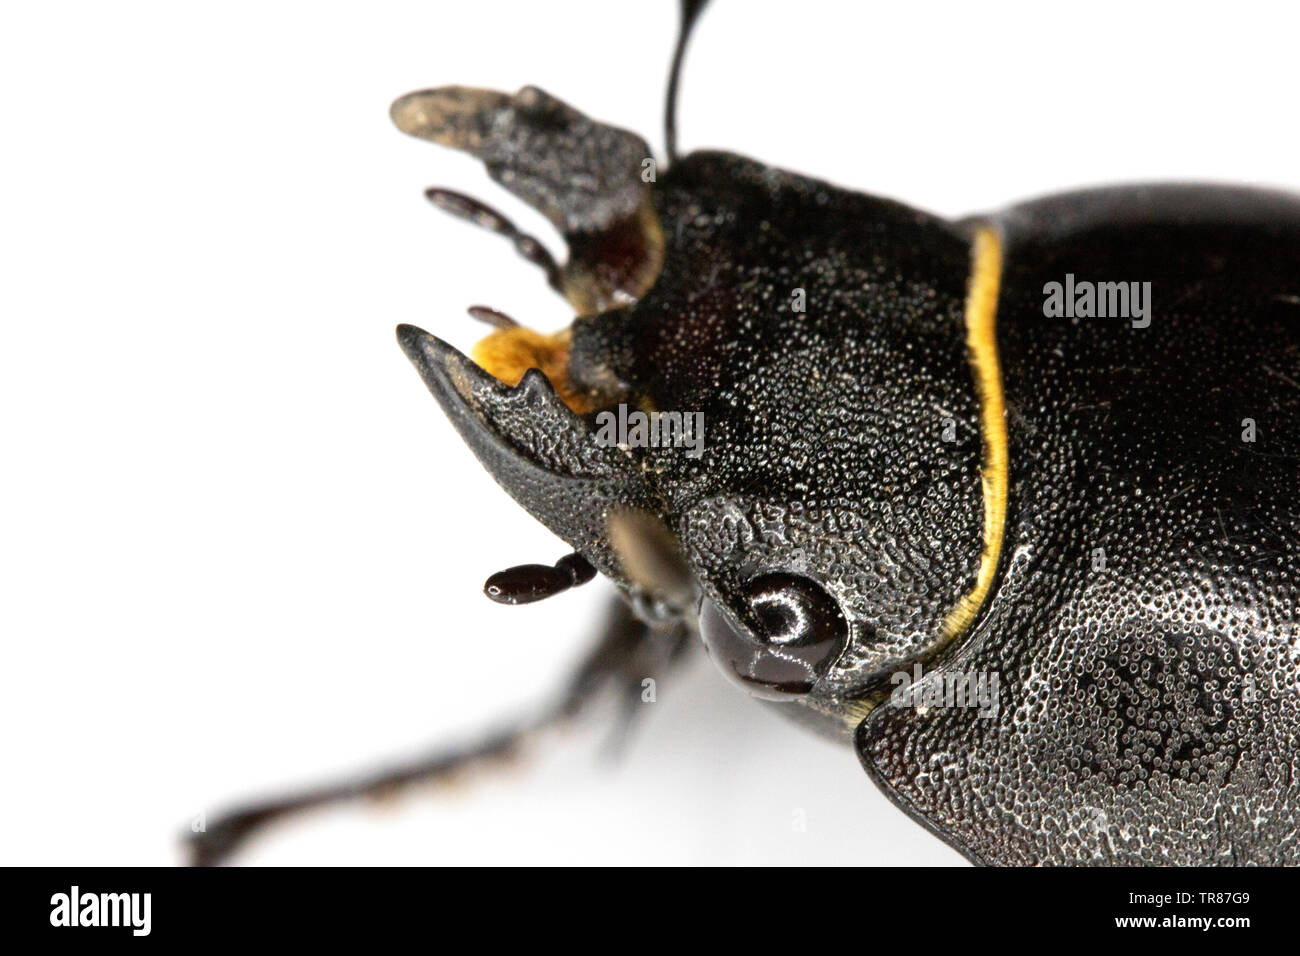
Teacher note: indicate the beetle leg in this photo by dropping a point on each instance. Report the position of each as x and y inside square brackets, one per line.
[627, 653]
[590, 180]
[690, 12]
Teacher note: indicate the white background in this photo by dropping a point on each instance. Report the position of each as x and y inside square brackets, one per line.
[241, 548]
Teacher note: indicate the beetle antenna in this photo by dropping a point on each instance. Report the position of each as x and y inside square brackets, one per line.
[493, 317]
[690, 13]
[484, 216]
[534, 582]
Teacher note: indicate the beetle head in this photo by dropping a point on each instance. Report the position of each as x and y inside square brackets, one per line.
[833, 518]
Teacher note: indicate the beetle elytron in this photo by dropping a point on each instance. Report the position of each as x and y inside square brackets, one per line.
[913, 468]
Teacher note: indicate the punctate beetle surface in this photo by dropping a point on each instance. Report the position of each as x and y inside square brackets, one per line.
[1008, 504]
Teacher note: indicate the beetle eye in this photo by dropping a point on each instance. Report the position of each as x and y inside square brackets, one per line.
[792, 632]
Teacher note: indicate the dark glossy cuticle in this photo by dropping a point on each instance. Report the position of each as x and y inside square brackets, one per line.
[527, 583]
[577, 567]
[793, 631]
[793, 612]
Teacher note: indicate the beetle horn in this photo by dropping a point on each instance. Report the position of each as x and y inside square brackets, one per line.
[536, 447]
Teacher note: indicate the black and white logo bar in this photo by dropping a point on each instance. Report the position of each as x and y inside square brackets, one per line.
[102, 909]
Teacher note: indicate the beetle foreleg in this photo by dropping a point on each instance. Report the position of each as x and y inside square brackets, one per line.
[628, 651]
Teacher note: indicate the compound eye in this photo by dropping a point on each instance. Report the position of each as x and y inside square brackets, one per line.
[791, 632]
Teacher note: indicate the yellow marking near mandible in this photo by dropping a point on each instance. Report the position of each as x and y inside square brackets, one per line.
[982, 347]
[508, 353]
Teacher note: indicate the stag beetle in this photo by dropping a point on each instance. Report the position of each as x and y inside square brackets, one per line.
[1053, 452]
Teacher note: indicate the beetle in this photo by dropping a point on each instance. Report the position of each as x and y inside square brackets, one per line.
[1051, 452]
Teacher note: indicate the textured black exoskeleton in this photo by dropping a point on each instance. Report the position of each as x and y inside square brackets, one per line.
[911, 469]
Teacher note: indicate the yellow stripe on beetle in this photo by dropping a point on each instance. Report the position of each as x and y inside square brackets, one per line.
[981, 313]
[982, 348]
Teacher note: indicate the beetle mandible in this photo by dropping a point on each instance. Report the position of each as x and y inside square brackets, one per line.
[1005, 503]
